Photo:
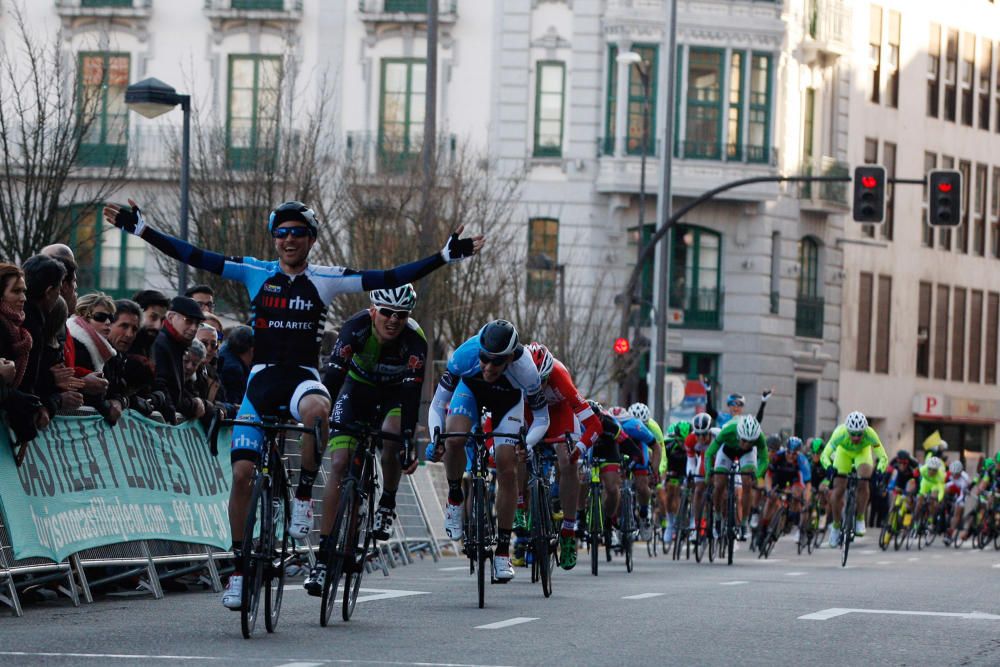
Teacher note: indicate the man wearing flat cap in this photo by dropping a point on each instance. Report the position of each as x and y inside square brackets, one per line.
[179, 329]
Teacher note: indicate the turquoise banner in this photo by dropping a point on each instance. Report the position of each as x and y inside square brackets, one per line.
[85, 484]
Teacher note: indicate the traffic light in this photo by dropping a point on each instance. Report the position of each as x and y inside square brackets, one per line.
[944, 206]
[869, 194]
[622, 346]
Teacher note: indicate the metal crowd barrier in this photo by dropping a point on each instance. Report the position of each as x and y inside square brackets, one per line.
[147, 563]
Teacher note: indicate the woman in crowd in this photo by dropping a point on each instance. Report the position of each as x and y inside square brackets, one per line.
[24, 412]
[90, 328]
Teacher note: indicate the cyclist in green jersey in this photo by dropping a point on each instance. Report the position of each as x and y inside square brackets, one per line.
[851, 447]
[741, 439]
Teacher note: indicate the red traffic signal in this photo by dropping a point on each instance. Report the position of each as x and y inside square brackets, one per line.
[622, 346]
[869, 194]
[869, 181]
[944, 200]
[944, 187]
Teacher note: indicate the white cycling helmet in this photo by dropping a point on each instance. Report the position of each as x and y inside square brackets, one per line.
[618, 412]
[934, 463]
[856, 422]
[640, 411]
[403, 297]
[542, 358]
[956, 467]
[749, 428]
[702, 423]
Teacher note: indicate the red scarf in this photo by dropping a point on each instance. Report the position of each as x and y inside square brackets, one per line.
[13, 323]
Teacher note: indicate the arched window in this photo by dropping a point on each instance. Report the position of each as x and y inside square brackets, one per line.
[809, 298]
[695, 280]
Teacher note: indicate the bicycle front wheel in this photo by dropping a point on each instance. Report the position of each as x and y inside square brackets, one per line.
[595, 528]
[275, 582]
[339, 542]
[256, 554]
[541, 529]
[361, 545]
[479, 520]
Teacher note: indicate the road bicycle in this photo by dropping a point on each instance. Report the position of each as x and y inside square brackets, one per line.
[627, 524]
[897, 525]
[598, 529]
[704, 543]
[267, 547]
[847, 520]
[776, 527]
[727, 537]
[682, 521]
[543, 533]
[351, 541]
[480, 537]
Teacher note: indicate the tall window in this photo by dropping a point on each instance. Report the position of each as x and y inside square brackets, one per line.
[992, 312]
[758, 141]
[862, 361]
[735, 110]
[695, 285]
[934, 71]
[950, 76]
[550, 86]
[927, 232]
[962, 233]
[704, 100]
[889, 162]
[874, 52]
[924, 330]
[871, 157]
[809, 302]
[995, 213]
[103, 78]
[883, 325]
[254, 104]
[975, 334]
[892, 79]
[985, 70]
[543, 250]
[940, 337]
[979, 211]
[108, 258]
[958, 337]
[968, 76]
[633, 139]
[401, 111]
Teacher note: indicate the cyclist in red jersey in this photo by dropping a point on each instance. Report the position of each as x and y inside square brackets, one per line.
[695, 444]
[568, 413]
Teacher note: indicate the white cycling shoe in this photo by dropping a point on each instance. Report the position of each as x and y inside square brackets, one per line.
[302, 518]
[453, 521]
[503, 570]
[232, 596]
[834, 537]
[859, 527]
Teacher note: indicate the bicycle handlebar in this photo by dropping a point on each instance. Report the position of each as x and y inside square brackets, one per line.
[266, 424]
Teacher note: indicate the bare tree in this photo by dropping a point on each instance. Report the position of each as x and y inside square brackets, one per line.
[46, 123]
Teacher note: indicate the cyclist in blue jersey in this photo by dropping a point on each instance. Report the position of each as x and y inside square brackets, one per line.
[489, 373]
[643, 439]
[289, 299]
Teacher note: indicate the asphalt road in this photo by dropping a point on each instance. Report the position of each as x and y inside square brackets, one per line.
[788, 610]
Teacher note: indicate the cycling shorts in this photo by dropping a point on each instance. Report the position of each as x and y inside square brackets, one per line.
[272, 391]
[677, 463]
[607, 449]
[844, 461]
[748, 461]
[508, 405]
[363, 403]
[562, 420]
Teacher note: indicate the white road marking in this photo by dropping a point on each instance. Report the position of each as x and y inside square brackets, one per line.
[301, 664]
[794, 574]
[997, 565]
[517, 620]
[867, 552]
[732, 583]
[833, 612]
[937, 556]
[883, 562]
[453, 569]
[372, 594]
[771, 560]
[913, 559]
[325, 661]
[641, 596]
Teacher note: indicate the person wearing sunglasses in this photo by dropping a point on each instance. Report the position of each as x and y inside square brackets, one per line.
[735, 404]
[289, 298]
[851, 447]
[375, 371]
[490, 372]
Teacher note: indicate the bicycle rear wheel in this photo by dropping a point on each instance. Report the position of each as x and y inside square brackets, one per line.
[338, 544]
[849, 518]
[275, 582]
[595, 528]
[541, 528]
[360, 545]
[731, 522]
[256, 553]
[479, 520]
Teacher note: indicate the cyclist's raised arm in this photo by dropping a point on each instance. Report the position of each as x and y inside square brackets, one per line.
[764, 395]
[132, 221]
[709, 399]
[455, 250]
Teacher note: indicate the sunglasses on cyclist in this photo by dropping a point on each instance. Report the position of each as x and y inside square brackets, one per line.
[493, 361]
[389, 313]
[101, 317]
[294, 232]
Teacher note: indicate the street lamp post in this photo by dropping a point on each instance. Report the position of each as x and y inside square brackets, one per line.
[629, 58]
[151, 98]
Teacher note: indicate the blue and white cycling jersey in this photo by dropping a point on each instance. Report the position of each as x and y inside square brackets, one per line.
[638, 431]
[805, 467]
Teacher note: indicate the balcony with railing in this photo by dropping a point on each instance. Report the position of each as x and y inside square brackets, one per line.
[405, 11]
[133, 9]
[255, 10]
[827, 27]
[702, 307]
[824, 197]
[367, 155]
[809, 312]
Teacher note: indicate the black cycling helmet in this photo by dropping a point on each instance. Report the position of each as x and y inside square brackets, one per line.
[498, 339]
[293, 210]
[903, 454]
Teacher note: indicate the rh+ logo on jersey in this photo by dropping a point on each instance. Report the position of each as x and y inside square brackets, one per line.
[298, 303]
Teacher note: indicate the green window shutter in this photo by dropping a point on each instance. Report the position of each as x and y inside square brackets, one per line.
[759, 140]
[253, 104]
[607, 144]
[703, 130]
[102, 80]
[401, 111]
[550, 87]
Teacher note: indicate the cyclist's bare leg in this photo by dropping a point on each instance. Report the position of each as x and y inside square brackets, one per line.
[719, 496]
[506, 486]
[314, 408]
[331, 492]
[239, 497]
[864, 472]
[568, 492]
[748, 484]
[642, 491]
[673, 492]
[454, 448]
[612, 482]
[837, 497]
[391, 468]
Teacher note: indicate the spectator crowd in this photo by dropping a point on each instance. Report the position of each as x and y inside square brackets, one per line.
[164, 357]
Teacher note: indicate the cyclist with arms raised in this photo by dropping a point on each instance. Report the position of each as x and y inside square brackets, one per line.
[490, 372]
[375, 371]
[289, 299]
[850, 447]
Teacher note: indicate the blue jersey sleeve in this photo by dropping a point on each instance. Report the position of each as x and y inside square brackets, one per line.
[638, 431]
[805, 468]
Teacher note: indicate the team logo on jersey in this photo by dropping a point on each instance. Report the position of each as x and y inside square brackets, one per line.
[414, 363]
[298, 303]
[274, 289]
[260, 323]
